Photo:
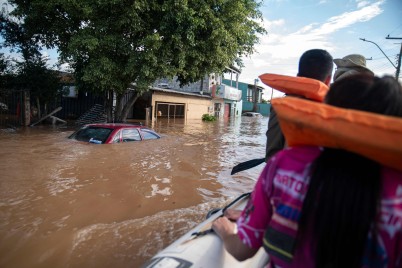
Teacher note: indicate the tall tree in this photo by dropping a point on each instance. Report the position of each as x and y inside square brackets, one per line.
[5, 71]
[30, 72]
[115, 45]
[5, 77]
[44, 84]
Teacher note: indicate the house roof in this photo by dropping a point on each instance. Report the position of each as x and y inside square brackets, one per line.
[233, 69]
[193, 94]
[66, 77]
[260, 88]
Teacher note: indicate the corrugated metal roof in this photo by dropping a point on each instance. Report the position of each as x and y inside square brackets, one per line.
[181, 92]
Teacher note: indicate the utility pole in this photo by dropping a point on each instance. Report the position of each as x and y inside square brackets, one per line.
[398, 68]
[255, 96]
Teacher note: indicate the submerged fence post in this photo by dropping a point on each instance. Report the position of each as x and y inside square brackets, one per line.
[147, 115]
[26, 108]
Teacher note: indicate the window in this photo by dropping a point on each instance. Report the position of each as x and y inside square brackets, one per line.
[93, 134]
[70, 91]
[148, 135]
[131, 135]
[250, 93]
[116, 138]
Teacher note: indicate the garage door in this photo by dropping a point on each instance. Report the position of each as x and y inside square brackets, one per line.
[169, 110]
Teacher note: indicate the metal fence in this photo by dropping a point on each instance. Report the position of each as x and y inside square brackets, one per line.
[14, 103]
[11, 108]
[17, 110]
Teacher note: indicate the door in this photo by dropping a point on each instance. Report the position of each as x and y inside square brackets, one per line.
[227, 111]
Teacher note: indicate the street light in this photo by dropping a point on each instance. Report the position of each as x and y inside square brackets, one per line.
[363, 39]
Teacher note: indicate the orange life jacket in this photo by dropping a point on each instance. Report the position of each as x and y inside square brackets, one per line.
[295, 85]
[375, 136]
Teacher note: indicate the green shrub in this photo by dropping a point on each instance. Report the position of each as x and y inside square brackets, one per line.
[208, 117]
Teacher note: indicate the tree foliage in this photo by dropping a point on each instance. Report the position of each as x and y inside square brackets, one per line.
[44, 84]
[29, 73]
[114, 44]
[4, 71]
[33, 75]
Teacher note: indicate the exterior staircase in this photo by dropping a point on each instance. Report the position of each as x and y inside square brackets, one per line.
[95, 115]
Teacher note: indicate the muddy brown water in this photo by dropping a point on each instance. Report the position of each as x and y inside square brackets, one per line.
[65, 203]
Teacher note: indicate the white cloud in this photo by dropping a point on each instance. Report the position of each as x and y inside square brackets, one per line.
[279, 52]
[4, 4]
[349, 18]
[275, 1]
[362, 3]
[267, 24]
[306, 28]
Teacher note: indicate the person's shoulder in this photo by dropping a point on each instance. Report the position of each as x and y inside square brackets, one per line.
[297, 155]
[298, 151]
[392, 182]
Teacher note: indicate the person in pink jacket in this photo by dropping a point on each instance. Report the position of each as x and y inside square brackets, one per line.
[324, 207]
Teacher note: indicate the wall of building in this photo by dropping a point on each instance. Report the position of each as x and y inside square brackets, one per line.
[219, 108]
[195, 107]
[262, 108]
[204, 84]
[239, 108]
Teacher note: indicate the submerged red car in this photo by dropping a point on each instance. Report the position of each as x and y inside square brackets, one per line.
[113, 133]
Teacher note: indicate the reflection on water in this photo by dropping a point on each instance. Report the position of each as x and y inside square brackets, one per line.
[69, 204]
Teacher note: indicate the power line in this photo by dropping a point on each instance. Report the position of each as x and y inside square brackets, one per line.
[396, 28]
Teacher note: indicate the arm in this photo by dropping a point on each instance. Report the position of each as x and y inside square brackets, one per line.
[227, 231]
[252, 223]
[275, 138]
[232, 214]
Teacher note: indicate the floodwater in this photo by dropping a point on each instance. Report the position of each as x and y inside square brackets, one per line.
[65, 203]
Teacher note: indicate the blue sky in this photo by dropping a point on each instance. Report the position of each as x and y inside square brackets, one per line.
[295, 26]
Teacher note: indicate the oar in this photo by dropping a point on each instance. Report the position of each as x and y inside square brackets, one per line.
[247, 165]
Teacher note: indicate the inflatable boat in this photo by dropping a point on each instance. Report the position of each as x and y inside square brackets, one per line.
[201, 247]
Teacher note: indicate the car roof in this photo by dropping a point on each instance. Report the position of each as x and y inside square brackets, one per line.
[116, 125]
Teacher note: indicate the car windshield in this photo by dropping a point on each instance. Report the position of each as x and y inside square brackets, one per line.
[93, 134]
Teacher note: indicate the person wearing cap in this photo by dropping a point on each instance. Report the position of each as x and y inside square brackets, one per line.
[350, 64]
[314, 63]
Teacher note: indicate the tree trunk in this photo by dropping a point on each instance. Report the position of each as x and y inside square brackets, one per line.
[119, 107]
[121, 111]
[26, 108]
[109, 106]
[38, 105]
[127, 107]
